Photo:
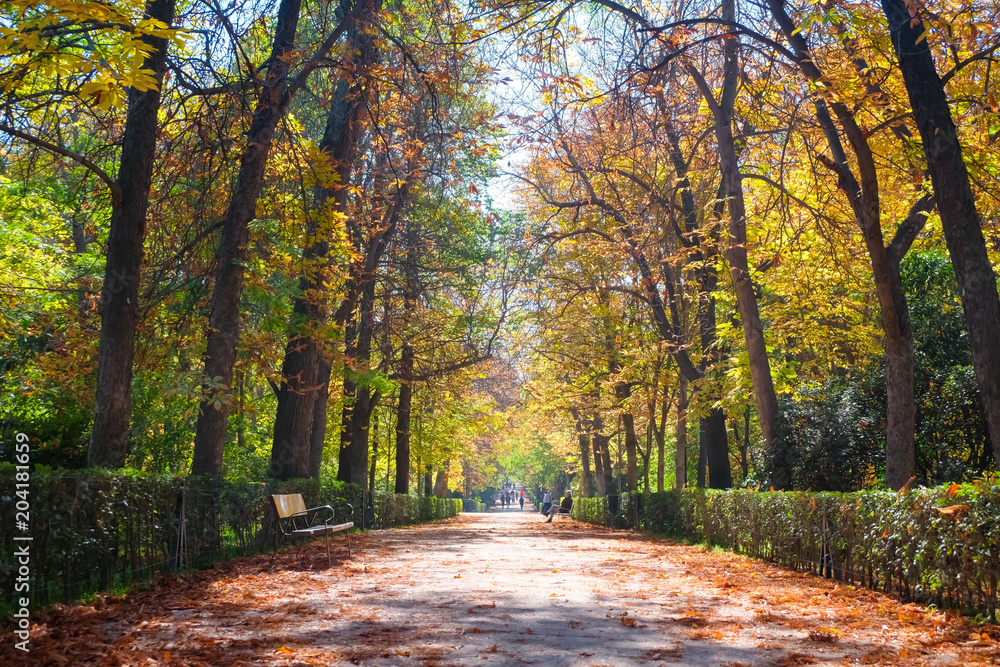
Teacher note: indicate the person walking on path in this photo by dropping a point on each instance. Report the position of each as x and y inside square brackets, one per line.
[546, 502]
[521, 500]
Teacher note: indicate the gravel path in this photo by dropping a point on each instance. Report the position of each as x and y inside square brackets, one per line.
[505, 588]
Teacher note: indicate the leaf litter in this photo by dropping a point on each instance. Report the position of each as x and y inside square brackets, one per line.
[538, 594]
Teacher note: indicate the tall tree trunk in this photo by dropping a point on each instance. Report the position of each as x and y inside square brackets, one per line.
[294, 424]
[410, 289]
[623, 392]
[317, 436]
[441, 483]
[631, 451]
[661, 446]
[602, 450]
[711, 440]
[702, 454]
[403, 420]
[583, 440]
[119, 305]
[602, 484]
[680, 453]
[374, 458]
[736, 249]
[354, 456]
[956, 205]
[863, 196]
[224, 321]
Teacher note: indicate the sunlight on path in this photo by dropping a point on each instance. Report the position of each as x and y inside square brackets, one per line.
[505, 588]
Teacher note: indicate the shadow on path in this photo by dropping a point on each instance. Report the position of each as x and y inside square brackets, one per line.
[503, 588]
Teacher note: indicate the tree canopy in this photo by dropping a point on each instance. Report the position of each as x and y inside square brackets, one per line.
[586, 244]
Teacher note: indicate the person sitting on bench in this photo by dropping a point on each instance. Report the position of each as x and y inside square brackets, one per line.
[562, 508]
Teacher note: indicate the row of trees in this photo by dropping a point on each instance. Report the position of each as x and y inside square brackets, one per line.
[745, 227]
[295, 227]
[732, 199]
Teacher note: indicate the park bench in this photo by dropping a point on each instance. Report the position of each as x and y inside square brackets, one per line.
[295, 522]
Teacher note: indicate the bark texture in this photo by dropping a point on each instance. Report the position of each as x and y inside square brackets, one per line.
[862, 191]
[680, 453]
[119, 305]
[977, 285]
[224, 321]
[299, 429]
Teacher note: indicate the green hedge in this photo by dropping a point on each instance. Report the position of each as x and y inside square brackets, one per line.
[394, 509]
[96, 530]
[902, 544]
[473, 505]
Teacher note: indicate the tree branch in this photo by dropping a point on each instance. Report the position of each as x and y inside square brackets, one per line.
[116, 191]
[910, 227]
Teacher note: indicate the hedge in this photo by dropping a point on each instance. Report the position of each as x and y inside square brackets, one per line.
[473, 505]
[95, 530]
[394, 509]
[939, 545]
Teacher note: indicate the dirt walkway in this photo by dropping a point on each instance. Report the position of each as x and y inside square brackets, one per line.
[504, 589]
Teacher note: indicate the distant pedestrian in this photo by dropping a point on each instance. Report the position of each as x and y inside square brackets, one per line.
[521, 500]
[546, 502]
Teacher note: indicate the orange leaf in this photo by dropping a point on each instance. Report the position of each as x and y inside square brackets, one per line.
[954, 509]
[952, 490]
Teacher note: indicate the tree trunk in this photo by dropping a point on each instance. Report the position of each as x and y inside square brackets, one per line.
[956, 205]
[317, 436]
[410, 293]
[224, 321]
[374, 458]
[403, 420]
[863, 196]
[441, 483]
[602, 484]
[702, 455]
[680, 453]
[736, 249]
[602, 450]
[301, 371]
[583, 440]
[720, 474]
[631, 452]
[661, 446]
[354, 456]
[119, 306]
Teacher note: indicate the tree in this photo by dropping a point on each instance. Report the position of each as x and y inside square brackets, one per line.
[119, 307]
[955, 201]
[273, 96]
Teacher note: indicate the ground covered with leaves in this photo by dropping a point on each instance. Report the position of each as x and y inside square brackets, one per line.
[503, 588]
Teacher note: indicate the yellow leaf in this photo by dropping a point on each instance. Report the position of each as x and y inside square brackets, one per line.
[284, 649]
